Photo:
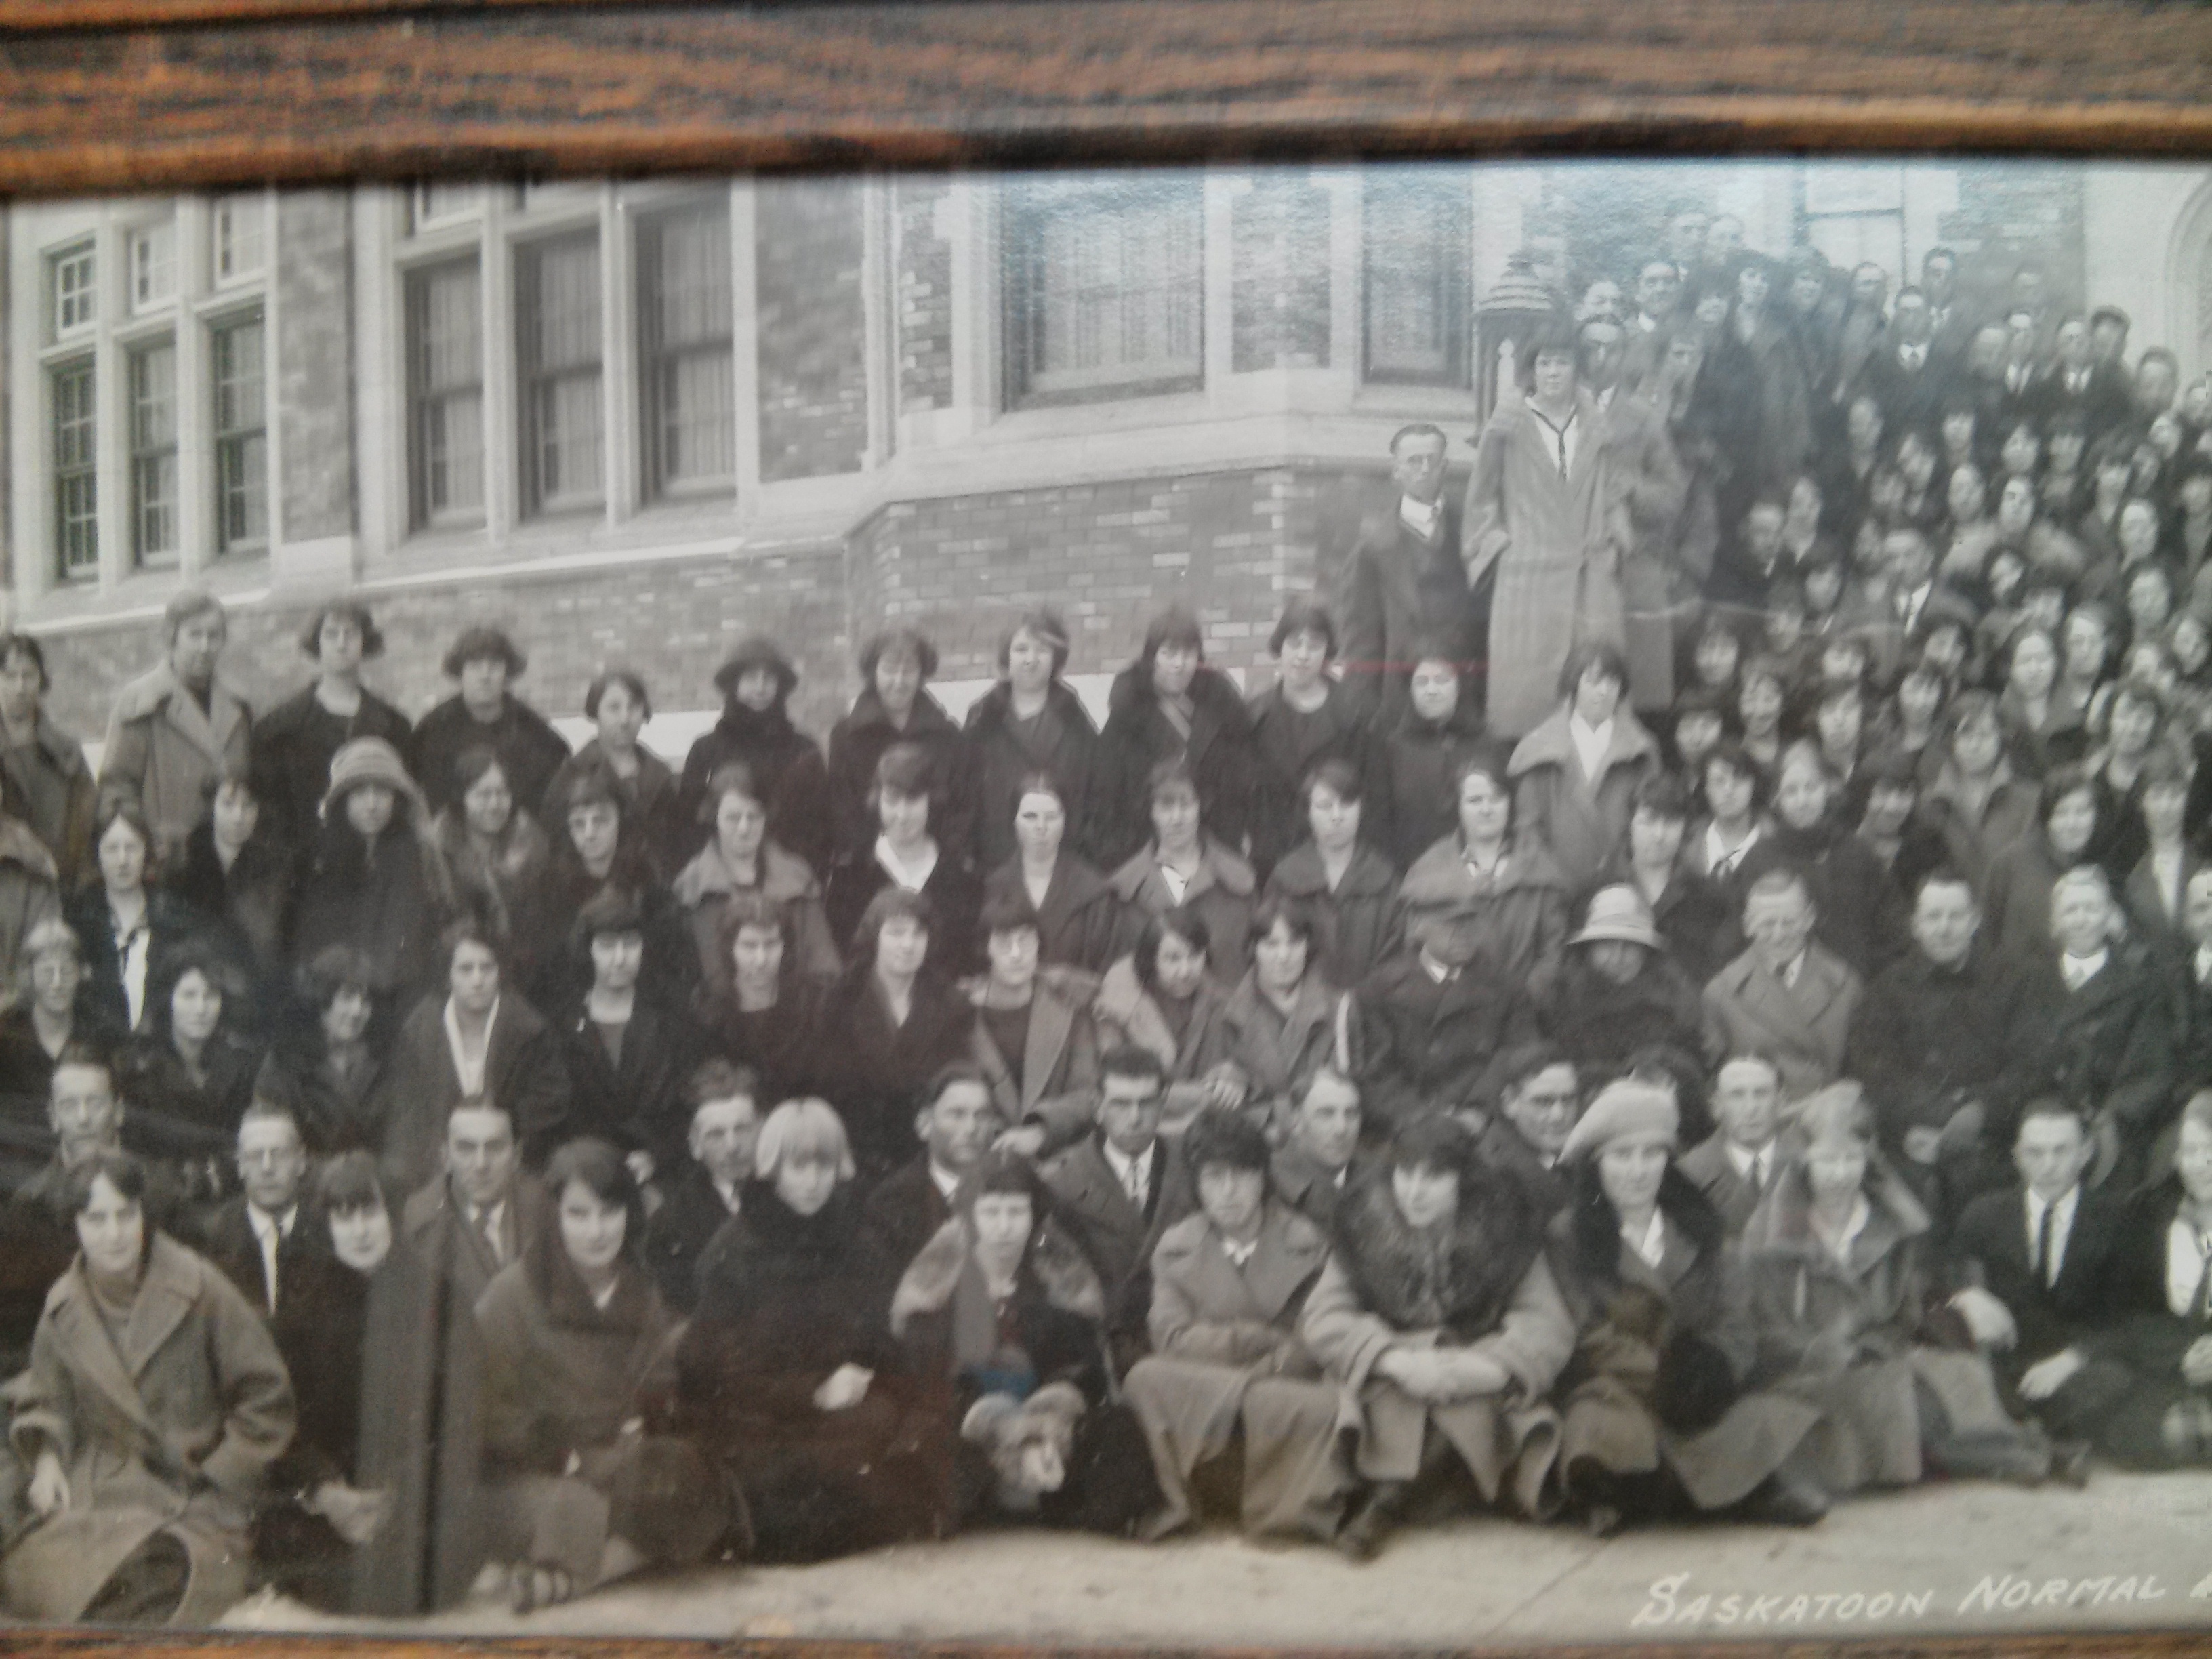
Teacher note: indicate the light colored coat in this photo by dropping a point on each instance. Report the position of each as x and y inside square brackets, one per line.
[1227, 1355]
[1556, 544]
[1059, 1085]
[1582, 820]
[1804, 1027]
[169, 1429]
[162, 750]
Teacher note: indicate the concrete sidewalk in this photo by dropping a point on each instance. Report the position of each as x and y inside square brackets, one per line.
[2126, 1552]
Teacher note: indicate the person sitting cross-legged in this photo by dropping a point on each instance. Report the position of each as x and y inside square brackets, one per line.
[1228, 1373]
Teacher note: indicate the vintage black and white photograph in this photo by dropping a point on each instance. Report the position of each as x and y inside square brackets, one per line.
[1389, 903]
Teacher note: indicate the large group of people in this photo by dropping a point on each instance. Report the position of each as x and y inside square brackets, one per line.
[1687, 993]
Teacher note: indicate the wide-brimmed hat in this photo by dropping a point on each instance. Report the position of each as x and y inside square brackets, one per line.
[756, 651]
[1620, 1109]
[1618, 913]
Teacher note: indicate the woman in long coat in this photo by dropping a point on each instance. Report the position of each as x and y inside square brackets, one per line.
[1033, 1038]
[2160, 1328]
[771, 1016]
[1303, 719]
[1545, 513]
[518, 1064]
[1029, 723]
[894, 708]
[1000, 1316]
[1437, 1311]
[1077, 911]
[906, 802]
[1162, 997]
[377, 881]
[1655, 1407]
[741, 857]
[1414, 760]
[579, 1384]
[1351, 889]
[1285, 1020]
[484, 714]
[385, 1515]
[188, 1075]
[599, 846]
[1841, 1294]
[294, 742]
[154, 1402]
[756, 683]
[498, 858]
[1169, 705]
[617, 703]
[1208, 876]
[238, 875]
[49, 785]
[1581, 813]
[125, 921]
[1505, 889]
[1227, 1363]
[888, 1026]
[788, 1372]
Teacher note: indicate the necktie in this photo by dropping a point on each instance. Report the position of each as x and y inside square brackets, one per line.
[1558, 435]
[1759, 1169]
[1135, 1182]
[271, 1242]
[488, 1220]
[2045, 1268]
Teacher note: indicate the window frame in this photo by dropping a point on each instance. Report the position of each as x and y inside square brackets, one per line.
[85, 470]
[657, 361]
[422, 513]
[150, 452]
[73, 306]
[1448, 213]
[225, 269]
[235, 446]
[1029, 211]
[539, 387]
[144, 299]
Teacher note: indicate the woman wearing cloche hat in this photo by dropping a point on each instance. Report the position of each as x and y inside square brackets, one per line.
[376, 880]
[1616, 992]
[1658, 1421]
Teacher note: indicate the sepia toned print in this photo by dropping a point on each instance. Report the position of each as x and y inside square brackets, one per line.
[1360, 904]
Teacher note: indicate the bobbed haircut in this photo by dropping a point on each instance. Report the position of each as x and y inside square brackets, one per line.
[125, 1171]
[350, 1183]
[473, 762]
[807, 1129]
[1006, 910]
[1339, 775]
[1304, 616]
[1174, 772]
[1663, 795]
[333, 968]
[731, 777]
[901, 636]
[13, 644]
[484, 643]
[904, 769]
[890, 904]
[630, 681]
[1044, 624]
[2060, 782]
[1593, 653]
[596, 1163]
[750, 909]
[1293, 913]
[190, 603]
[311, 637]
[1555, 334]
[1173, 626]
[1186, 924]
[1436, 1141]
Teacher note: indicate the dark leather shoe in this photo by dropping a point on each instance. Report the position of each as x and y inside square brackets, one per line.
[1360, 1539]
[2069, 1463]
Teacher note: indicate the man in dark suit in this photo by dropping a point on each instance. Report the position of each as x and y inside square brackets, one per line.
[476, 1215]
[1736, 1164]
[957, 1125]
[725, 1120]
[1405, 578]
[1309, 1170]
[1119, 1189]
[1785, 995]
[2079, 383]
[2032, 1263]
[1432, 1019]
[1903, 376]
[260, 1239]
[1540, 1100]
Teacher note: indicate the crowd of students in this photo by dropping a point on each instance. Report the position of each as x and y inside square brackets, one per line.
[1752, 1044]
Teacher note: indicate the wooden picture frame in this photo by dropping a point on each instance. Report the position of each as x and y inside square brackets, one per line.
[135, 96]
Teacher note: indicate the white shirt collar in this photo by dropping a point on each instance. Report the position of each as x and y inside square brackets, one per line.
[1239, 1254]
[1862, 1213]
[1421, 517]
[471, 1072]
[1750, 1165]
[1125, 1166]
[264, 1223]
[1720, 858]
[1590, 743]
[2079, 970]
[912, 877]
[1651, 1246]
[2188, 1255]
[943, 1180]
[2062, 1225]
[728, 1195]
[2204, 964]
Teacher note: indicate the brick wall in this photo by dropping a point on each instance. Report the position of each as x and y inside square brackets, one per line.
[813, 375]
[673, 621]
[315, 361]
[1231, 545]
[923, 289]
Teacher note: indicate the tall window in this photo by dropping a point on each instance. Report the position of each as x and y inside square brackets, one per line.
[153, 382]
[76, 507]
[1416, 254]
[242, 436]
[444, 394]
[689, 406]
[153, 264]
[237, 234]
[1104, 289]
[556, 317]
[76, 301]
[430, 205]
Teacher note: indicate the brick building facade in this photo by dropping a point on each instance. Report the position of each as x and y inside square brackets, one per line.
[634, 421]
